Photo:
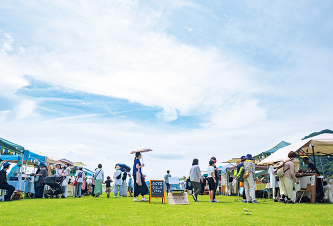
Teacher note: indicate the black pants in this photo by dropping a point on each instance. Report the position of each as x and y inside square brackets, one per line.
[140, 190]
[244, 196]
[10, 190]
[39, 191]
[276, 192]
[93, 189]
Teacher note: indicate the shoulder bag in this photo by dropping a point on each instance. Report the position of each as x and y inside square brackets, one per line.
[247, 172]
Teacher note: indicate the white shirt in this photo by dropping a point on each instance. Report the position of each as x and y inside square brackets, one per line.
[209, 170]
[59, 172]
[100, 173]
[80, 180]
[67, 171]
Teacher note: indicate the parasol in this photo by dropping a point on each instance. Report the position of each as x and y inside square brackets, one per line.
[122, 166]
[65, 161]
[140, 149]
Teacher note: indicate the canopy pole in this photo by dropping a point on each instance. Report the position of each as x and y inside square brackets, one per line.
[314, 159]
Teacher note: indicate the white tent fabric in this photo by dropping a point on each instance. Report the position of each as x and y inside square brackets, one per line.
[323, 146]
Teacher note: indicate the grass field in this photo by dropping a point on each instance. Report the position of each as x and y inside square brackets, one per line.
[123, 211]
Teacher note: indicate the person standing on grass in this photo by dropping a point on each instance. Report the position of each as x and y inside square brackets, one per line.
[130, 185]
[217, 177]
[108, 186]
[118, 182]
[140, 187]
[99, 178]
[93, 183]
[241, 180]
[166, 179]
[211, 180]
[66, 173]
[39, 187]
[124, 187]
[249, 181]
[195, 177]
[79, 180]
[287, 180]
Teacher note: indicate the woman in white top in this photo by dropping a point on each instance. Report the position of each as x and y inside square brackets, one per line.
[58, 170]
[211, 180]
[196, 178]
[79, 179]
[99, 178]
[66, 172]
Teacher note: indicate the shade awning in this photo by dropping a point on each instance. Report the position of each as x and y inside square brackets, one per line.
[5, 144]
[233, 160]
[322, 145]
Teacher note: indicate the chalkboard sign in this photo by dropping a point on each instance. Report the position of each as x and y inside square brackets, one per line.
[156, 190]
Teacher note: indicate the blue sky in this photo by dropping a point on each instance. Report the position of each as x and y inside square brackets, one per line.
[90, 81]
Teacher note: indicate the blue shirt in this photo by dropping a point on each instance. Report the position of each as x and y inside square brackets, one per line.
[136, 161]
[130, 182]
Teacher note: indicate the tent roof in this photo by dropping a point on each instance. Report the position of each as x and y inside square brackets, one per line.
[323, 146]
[233, 160]
[282, 144]
[11, 146]
[228, 167]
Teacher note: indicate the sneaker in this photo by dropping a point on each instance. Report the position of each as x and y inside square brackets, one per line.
[194, 198]
[244, 200]
[249, 202]
[216, 200]
[197, 200]
[255, 201]
[144, 200]
[212, 201]
[275, 200]
[136, 200]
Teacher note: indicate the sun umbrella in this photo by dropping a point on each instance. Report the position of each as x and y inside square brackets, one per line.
[65, 161]
[140, 149]
[122, 166]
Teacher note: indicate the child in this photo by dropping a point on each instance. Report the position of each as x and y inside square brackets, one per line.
[211, 180]
[130, 185]
[108, 186]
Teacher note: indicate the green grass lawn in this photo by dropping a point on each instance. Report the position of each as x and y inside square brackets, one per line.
[123, 211]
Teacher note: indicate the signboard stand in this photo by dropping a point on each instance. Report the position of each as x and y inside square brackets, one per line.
[156, 190]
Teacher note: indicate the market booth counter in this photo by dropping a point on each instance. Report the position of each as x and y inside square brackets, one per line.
[307, 186]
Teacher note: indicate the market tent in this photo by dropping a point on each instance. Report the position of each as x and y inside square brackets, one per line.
[88, 172]
[33, 156]
[270, 151]
[6, 145]
[233, 160]
[321, 145]
[228, 167]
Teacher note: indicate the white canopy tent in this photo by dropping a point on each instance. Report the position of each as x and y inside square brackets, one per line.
[321, 145]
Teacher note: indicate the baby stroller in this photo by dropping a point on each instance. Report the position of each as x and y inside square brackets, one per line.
[55, 183]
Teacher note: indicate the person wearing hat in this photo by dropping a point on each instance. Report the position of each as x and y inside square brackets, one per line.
[39, 187]
[166, 179]
[118, 182]
[241, 181]
[249, 184]
[3, 182]
[14, 171]
[79, 175]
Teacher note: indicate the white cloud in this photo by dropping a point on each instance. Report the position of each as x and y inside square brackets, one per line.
[129, 59]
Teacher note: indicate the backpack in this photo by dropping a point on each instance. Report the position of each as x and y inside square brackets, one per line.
[240, 174]
[278, 169]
